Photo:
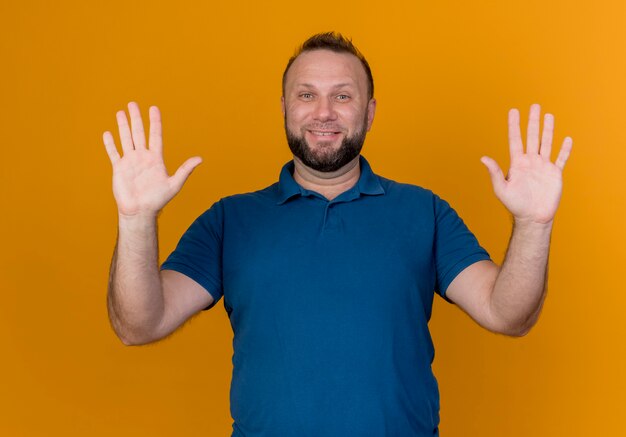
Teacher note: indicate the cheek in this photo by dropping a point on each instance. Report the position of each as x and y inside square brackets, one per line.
[296, 116]
[352, 118]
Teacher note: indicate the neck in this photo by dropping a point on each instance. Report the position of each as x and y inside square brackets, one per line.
[331, 184]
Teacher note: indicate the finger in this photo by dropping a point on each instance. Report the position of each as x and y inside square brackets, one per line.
[109, 145]
[183, 172]
[546, 136]
[497, 177]
[532, 135]
[125, 136]
[564, 153]
[139, 136]
[516, 148]
[155, 141]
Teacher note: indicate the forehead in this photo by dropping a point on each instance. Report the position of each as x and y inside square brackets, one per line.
[325, 66]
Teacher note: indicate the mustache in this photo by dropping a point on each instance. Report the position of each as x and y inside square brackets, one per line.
[333, 126]
[324, 126]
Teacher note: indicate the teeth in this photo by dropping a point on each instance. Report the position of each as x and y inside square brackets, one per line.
[324, 134]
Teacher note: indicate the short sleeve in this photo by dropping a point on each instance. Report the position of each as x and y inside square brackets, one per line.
[198, 254]
[455, 247]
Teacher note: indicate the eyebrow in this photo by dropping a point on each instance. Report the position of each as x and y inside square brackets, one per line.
[339, 85]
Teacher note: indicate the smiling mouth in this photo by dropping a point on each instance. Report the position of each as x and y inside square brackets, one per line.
[323, 133]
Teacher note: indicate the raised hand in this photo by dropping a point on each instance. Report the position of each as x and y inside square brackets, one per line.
[531, 191]
[141, 184]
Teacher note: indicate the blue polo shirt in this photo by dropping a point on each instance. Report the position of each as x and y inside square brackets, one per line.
[329, 302]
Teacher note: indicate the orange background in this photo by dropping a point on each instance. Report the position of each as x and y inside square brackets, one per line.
[446, 74]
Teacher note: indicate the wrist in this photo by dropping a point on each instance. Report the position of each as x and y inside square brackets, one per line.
[529, 225]
[139, 221]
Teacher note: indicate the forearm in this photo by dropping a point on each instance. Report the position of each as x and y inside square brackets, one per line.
[520, 287]
[135, 298]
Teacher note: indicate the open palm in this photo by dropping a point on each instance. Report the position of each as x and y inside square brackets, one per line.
[531, 191]
[141, 184]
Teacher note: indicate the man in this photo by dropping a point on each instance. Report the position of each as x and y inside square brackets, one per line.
[328, 275]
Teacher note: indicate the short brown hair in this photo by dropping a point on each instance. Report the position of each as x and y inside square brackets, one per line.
[335, 42]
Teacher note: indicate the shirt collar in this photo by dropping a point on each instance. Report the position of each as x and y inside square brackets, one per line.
[368, 182]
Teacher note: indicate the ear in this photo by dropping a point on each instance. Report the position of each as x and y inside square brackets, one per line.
[282, 105]
[371, 110]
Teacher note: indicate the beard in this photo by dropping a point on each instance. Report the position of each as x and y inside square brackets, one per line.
[325, 159]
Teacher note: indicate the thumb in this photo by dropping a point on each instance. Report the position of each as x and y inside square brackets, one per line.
[497, 177]
[183, 172]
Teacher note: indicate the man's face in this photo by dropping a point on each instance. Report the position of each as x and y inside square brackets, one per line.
[326, 108]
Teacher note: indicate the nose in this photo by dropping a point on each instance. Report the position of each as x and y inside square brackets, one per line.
[324, 110]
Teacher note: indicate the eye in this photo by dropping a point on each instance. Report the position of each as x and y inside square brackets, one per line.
[343, 97]
[306, 96]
